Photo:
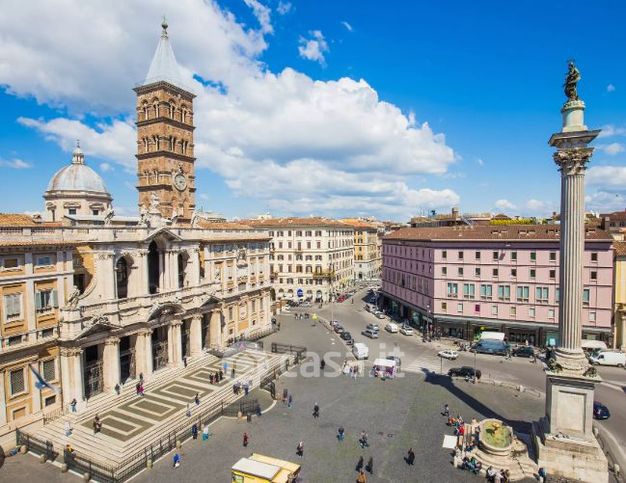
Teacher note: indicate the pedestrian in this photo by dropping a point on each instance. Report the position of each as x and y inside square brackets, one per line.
[316, 411]
[210, 378]
[446, 410]
[188, 412]
[341, 433]
[141, 377]
[97, 424]
[355, 372]
[73, 405]
[257, 409]
[285, 393]
[118, 389]
[246, 388]
[197, 399]
[410, 457]
[194, 431]
[362, 478]
[185, 361]
[300, 449]
[542, 475]
[205, 433]
[359, 464]
[245, 440]
[290, 401]
[369, 467]
[232, 373]
[67, 427]
[221, 374]
[176, 460]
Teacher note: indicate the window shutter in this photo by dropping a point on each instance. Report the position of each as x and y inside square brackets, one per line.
[38, 298]
[55, 298]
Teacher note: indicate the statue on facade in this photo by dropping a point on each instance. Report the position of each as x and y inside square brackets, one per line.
[72, 299]
[571, 81]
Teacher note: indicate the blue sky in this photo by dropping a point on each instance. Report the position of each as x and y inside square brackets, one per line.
[321, 104]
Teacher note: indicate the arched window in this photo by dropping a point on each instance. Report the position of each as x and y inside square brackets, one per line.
[182, 267]
[121, 278]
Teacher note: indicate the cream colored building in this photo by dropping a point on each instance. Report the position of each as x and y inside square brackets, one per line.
[93, 300]
[367, 249]
[310, 258]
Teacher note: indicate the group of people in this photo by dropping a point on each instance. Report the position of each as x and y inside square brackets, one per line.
[241, 386]
[139, 386]
[497, 476]
[216, 377]
[301, 316]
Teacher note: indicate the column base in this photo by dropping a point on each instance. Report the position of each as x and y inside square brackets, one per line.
[570, 361]
[575, 459]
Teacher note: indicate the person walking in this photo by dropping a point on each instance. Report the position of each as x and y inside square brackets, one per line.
[97, 424]
[205, 433]
[369, 467]
[300, 449]
[67, 427]
[446, 410]
[73, 405]
[341, 433]
[359, 464]
[118, 389]
[290, 401]
[197, 399]
[176, 460]
[245, 440]
[232, 372]
[410, 457]
[316, 411]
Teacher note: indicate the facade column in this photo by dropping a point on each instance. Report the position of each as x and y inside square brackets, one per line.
[72, 375]
[193, 271]
[142, 264]
[111, 363]
[3, 401]
[195, 336]
[174, 343]
[143, 353]
[215, 329]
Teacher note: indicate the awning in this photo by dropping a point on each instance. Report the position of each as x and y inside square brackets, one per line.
[384, 363]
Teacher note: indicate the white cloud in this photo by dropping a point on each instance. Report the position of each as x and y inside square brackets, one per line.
[15, 164]
[262, 14]
[540, 208]
[504, 205]
[605, 201]
[114, 141]
[535, 205]
[614, 176]
[610, 88]
[106, 167]
[284, 8]
[611, 149]
[283, 137]
[347, 26]
[611, 130]
[314, 48]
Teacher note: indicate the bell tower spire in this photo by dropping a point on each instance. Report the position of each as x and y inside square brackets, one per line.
[165, 147]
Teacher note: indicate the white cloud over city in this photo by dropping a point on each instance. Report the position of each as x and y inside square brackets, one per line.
[284, 137]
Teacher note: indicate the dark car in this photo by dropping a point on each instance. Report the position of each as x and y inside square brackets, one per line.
[524, 351]
[600, 411]
[339, 329]
[346, 335]
[465, 371]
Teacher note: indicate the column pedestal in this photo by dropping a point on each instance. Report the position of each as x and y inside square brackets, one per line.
[195, 336]
[72, 376]
[111, 363]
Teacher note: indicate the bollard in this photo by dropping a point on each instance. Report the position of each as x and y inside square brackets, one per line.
[42, 458]
[178, 444]
[86, 476]
[149, 463]
[64, 468]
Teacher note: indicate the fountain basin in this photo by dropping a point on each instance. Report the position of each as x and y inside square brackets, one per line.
[496, 438]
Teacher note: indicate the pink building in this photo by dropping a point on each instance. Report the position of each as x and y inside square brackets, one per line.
[465, 279]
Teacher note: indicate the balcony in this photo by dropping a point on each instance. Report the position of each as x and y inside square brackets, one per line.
[324, 274]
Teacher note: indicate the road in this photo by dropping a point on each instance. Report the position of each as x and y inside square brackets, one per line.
[417, 355]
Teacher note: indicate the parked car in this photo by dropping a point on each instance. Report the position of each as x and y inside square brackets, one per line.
[609, 358]
[345, 335]
[372, 334]
[465, 371]
[333, 323]
[380, 315]
[600, 411]
[448, 354]
[406, 330]
[395, 358]
[373, 327]
[339, 329]
[360, 350]
[524, 351]
[392, 328]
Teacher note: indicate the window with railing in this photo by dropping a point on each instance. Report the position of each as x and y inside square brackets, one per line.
[523, 293]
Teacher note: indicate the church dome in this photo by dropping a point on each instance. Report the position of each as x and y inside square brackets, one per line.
[77, 177]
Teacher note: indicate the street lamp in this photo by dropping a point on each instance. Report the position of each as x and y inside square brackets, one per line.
[475, 353]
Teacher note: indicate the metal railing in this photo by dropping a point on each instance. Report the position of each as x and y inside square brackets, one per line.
[36, 445]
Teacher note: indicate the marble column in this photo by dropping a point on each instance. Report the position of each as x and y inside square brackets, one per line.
[3, 401]
[143, 353]
[111, 363]
[72, 375]
[174, 343]
[195, 335]
[105, 267]
[215, 329]
[142, 264]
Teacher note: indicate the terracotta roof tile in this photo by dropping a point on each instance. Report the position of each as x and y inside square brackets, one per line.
[223, 225]
[490, 232]
[620, 248]
[16, 219]
[615, 216]
[297, 222]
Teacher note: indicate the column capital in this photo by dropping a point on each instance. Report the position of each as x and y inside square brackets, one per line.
[70, 351]
[113, 340]
[197, 317]
[106, 254]
[176, 322]
[572, 161]
[144, 332]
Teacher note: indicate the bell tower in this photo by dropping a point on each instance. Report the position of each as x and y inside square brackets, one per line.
[165, 149]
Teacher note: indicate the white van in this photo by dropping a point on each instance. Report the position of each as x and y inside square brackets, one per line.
[360, 350]
[609, 358]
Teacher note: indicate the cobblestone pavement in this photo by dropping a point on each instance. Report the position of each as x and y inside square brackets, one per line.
[396, 414]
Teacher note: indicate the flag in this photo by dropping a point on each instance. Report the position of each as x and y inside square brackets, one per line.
[41, 382]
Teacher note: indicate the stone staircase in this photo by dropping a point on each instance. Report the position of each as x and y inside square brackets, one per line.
[111, 452]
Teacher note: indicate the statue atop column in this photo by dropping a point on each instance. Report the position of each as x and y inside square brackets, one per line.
[571, 81]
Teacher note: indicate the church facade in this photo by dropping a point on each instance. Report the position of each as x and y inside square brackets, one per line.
[91, 301]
